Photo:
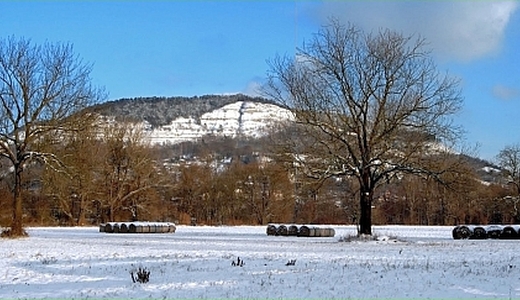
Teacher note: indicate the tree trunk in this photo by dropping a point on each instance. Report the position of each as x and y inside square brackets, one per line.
[365, 220]
[17, 220]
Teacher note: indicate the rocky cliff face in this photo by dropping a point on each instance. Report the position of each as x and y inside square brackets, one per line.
[242, 118]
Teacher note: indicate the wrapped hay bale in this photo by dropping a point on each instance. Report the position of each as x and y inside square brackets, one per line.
[165, 228]
[455, 233]
[308, 231]
[132, 228]
[494, 231]
[479, 233]
[145, 228]
[465, 231]
[102, 227]
[282, 230]
[510, 232]
[271, 229]
[329, 232]
[123, 228]
[292, 230]
[109, 228]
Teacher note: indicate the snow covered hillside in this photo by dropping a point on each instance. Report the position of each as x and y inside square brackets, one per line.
[197, 262]
[242, 118]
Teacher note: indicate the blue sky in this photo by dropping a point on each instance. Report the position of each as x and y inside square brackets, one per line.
[187, 48]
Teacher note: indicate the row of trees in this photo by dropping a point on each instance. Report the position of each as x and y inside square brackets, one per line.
[120, 178]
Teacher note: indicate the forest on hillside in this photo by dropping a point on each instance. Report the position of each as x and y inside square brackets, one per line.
[158, 111]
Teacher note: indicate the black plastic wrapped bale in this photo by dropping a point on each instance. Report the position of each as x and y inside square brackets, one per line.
[455, 233]
[123, 228]
[132, 228]
[494, 231]
[271, 229]
[109, 228]
[479, 233]
[102, 227]
[292, 230]
[304, 231]
[509, 233]
[308, 231]
[282, 230]
[465, 232]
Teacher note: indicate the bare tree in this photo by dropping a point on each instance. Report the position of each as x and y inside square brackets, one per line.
[41, 89]
[368, 106]
[128, 172]
[509, 160]
[72, 189]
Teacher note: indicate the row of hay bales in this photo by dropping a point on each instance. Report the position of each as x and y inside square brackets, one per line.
[481, 232]
[300, 230]
[137, 227]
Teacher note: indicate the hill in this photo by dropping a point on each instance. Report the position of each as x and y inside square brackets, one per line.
[179, 119]
[172, 120]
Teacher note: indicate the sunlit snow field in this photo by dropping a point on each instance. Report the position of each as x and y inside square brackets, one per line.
[196, 262]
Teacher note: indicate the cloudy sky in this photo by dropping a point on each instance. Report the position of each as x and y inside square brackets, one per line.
[187, 48]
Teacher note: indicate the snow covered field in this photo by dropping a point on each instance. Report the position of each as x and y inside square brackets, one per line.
[196, 262]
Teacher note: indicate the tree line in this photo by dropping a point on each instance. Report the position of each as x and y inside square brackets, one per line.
[116, 176]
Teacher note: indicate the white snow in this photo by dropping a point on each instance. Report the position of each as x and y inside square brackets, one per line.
[195, 262]
[251, 119]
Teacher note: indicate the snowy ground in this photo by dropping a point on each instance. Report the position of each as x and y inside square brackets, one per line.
[195, 262]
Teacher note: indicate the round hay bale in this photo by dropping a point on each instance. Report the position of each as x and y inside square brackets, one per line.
[292, 230]
[479, 233]
[494, 231]
[165, 228]
[271, 229]
[132, 228]
[282, 230]
[145, 228]
[328, 232]
[158, 228]
[123, 228]
[319, 232]
[455, 233]
[313, 232]
[509, 232]
[102, 227]
[171, 228]
[109, 228]
[304, 231]
[115, 228]
[465, 232]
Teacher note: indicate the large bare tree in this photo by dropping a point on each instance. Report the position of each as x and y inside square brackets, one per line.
[368, 106]
[42, 87]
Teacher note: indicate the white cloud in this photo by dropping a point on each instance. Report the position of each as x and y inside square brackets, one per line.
[461, 30]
